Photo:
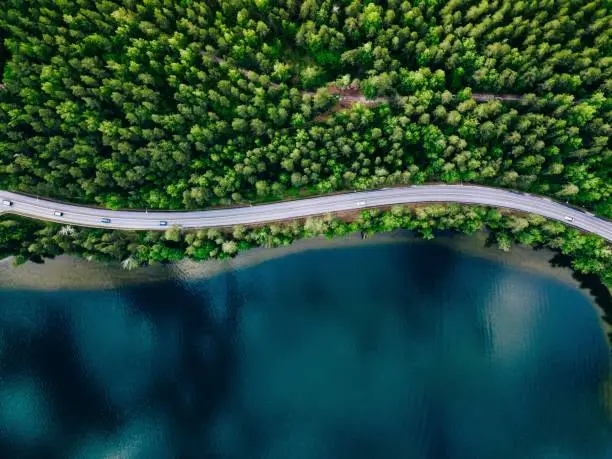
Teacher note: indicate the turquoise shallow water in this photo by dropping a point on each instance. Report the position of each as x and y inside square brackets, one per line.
[385, 351]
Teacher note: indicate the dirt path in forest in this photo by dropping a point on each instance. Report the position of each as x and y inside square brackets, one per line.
[351, 95]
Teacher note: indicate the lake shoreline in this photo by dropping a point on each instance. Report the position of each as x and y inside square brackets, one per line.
[101, 276]
[41, 277]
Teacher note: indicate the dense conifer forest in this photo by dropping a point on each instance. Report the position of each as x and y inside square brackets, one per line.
[191, 104]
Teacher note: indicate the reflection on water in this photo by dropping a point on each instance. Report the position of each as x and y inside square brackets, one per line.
[390, 351]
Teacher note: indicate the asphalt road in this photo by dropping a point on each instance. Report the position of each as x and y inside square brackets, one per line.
[139, 220]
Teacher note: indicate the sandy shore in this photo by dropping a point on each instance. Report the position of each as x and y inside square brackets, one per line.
[6, 260]
[67, 272]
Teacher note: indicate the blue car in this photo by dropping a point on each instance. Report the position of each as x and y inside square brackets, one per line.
[106, 220]
[163, 223]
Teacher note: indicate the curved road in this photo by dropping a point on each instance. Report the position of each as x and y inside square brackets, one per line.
[139, 220]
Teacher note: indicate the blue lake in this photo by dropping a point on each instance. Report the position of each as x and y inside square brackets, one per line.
[376, 351]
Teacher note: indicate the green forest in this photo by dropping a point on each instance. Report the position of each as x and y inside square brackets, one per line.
[185, 104]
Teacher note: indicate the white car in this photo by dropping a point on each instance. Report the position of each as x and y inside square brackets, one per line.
[361, 203]
[58, 213]
[568, 218]
[6, 202]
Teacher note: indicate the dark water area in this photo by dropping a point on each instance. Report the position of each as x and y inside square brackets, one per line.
[383, 351]
[591, 283]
